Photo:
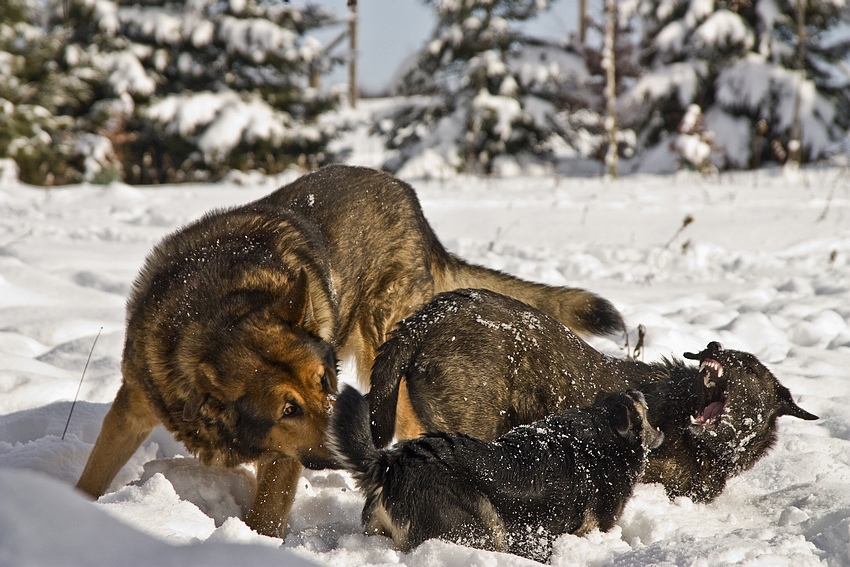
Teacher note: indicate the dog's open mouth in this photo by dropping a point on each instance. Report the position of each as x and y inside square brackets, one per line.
[712, 394]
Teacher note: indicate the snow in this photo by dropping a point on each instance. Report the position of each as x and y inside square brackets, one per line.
[699, 10]
[97, 153]
[505, 110]
[539, 65]
[221, 120]
[723, 28]
[732, 136]
[764, 266]
[126, 74]
[164, 27]
[757, 85]
[257, 38]
[692, 148]
[672, 37]
[680, 79]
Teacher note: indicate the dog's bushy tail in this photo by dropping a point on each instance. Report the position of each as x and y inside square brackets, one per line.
[582, 311]
[348, 435]
[387, 371]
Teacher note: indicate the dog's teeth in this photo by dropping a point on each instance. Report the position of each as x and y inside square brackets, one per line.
[716, 371]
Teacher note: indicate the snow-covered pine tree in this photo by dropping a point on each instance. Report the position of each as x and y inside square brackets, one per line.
[736, 60]
[185, 90]
[36, 102]
[584, 119]
[488, 95]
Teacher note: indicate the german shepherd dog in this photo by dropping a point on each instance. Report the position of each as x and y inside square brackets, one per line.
[570, 472]
[236, 322]
[479, 363]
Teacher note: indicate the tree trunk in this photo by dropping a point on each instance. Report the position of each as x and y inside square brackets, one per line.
[795, 143]
[582, 22]
[609, 63]
[353, 89]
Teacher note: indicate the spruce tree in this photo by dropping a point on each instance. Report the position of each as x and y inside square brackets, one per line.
[486, 91]
[735, 60]
[37, 103]
[172, 91]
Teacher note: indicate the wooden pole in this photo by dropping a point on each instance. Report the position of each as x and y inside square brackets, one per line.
[609, 63]
[582, 22]
[795, 143]
[353, 90]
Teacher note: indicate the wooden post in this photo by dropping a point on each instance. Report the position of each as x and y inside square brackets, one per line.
[353, 90]
[582, 22]
[609, 63]
[795, 143]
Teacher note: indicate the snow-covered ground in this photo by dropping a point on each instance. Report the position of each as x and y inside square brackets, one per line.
[764, 267]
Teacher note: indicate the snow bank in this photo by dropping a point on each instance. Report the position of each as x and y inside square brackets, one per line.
[71, 531]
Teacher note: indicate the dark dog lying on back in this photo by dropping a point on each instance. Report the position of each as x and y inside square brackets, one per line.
[479, 363]
[570, 472]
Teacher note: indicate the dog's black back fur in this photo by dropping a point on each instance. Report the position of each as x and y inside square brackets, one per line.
[479, 363]
[568, 473]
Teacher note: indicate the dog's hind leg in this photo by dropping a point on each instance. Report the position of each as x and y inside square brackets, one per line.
[277, 481]
[127, 424]
[407, 424]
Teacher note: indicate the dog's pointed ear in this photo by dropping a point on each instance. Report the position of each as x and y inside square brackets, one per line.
[296, 308]
[787, 406]
[193, 405]
[621, 419]
[206, 379]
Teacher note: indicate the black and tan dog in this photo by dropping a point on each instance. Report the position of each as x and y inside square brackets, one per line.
[236, 322]
[570, 472]
[479, 363]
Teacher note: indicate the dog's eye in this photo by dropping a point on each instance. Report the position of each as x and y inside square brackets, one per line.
[290, 410]
[326, 384]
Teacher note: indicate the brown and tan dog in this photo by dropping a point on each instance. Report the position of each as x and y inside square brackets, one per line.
[236, 322]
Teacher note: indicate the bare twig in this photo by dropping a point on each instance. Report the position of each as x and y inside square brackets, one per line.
[829, 197]
[70, 413]
[499, 232]
[686, 222]
[15, 240]
[639, 346]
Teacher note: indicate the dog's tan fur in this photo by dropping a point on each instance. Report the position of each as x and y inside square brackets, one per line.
[240, 317]
[407, 424]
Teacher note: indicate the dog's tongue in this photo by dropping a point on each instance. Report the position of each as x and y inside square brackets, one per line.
[712, 410]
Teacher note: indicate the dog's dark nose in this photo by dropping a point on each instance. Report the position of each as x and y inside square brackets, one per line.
[711, 350]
